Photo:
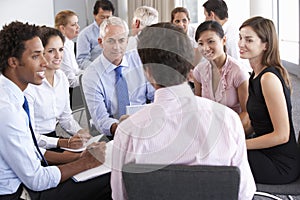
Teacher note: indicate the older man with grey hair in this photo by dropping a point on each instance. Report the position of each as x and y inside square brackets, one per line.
[115, 79]
[143, 16]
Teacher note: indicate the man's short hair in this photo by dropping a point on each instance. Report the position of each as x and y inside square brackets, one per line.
[146, 15]
[12, 40]
[105, 5]
[112, 21]
[219, 7]
[166, 50]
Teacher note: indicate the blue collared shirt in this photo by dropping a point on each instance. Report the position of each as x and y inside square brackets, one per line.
[19, 160]
[88, 48]
[98, 83]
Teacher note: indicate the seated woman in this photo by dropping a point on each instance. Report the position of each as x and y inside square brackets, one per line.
[180, 17]
[49, 102]
[220, 77]
[66, 21]
[272, 152]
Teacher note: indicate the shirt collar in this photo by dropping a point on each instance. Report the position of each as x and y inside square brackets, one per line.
[109, 66]
[95, 24]
[176, 91]
[13, 89]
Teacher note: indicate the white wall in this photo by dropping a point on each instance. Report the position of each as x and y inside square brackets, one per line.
[84, 9]
[38, 12]
[238, 10]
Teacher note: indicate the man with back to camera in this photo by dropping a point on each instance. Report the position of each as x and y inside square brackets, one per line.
[143, 16]
[100, 81]
[178, 127]
[22, 62]
[87, 42]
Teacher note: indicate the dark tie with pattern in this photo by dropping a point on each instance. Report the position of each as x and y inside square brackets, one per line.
[26, 108]
[122, 92]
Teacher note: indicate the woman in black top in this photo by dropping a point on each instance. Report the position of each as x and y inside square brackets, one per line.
[272, 152]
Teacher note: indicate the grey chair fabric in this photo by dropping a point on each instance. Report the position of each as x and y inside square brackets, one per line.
[273, 191]
[285, 189]
[91, 127]
[152, 182]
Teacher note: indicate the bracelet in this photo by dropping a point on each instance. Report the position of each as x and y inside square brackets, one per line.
[69, 142]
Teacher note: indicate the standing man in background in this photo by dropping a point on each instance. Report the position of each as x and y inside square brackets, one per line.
[143, 16]
[217, 10]
[87, 42]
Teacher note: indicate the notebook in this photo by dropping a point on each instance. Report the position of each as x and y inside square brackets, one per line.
[100, 170]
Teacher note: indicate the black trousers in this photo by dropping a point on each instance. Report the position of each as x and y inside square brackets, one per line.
[94, 189]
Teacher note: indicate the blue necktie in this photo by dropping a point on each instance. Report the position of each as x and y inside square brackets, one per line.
[26, 108]
[122, 92]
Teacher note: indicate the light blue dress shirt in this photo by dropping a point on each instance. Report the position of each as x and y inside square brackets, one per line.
[88, 48]
[98, 83]
[19, 161]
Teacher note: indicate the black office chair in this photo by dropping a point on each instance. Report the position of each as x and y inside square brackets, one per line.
[180, 182]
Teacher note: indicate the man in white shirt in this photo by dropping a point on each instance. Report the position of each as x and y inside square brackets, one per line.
[22, 62]
[217, 10]
[143, 16]
[99, 80]
[178, 127]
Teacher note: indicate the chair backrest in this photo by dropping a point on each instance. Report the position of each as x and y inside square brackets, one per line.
[151, 182]
[91, 127]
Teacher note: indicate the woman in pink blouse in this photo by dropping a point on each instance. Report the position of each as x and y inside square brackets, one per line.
[219, 77]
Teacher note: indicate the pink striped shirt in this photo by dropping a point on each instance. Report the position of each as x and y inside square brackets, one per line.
[180, 128]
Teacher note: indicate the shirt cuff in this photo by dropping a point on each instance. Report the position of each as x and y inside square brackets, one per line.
[48, 142]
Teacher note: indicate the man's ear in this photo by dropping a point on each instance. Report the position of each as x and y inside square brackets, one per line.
[13, 62]
[100, 42]
[137, 23]
[212, 15]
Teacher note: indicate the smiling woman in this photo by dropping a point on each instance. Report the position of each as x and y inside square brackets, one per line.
[49, 102]
[67, 22]
[220, 77]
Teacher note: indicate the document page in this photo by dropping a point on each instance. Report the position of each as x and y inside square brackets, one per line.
[97, 171]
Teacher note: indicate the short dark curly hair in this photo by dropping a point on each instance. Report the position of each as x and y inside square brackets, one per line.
[12, 41]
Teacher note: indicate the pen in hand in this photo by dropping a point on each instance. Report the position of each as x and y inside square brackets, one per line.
[97, 150]
[79, 140]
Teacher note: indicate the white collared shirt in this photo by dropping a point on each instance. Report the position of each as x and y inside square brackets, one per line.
[98, 83]
[49, 105]
[19, 160]
[69, 65]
